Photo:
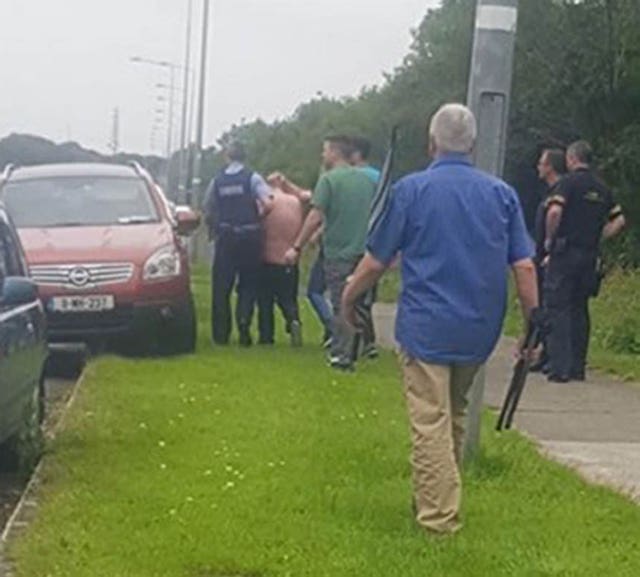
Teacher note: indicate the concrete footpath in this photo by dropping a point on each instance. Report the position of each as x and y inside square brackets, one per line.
[593, 426]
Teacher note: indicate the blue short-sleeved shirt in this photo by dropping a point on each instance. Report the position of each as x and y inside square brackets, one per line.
[373, 173]
[458, 230]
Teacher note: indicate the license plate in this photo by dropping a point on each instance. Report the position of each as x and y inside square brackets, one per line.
[86, 304]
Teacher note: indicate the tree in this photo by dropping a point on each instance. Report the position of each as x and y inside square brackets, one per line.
[577, 75]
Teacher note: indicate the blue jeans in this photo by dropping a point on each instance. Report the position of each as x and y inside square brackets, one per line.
[315, 292]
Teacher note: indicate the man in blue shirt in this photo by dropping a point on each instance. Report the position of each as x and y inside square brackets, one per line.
[459, 230]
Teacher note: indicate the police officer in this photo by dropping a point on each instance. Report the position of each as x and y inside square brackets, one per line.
[551, 167]
[581, 212]
[235, 201]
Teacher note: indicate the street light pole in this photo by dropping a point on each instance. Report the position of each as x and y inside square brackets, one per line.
[489, 97]
[184, 155]
[171, 67]
[197, 164]
[172, 88]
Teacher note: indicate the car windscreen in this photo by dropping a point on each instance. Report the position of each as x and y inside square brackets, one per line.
[79, 201]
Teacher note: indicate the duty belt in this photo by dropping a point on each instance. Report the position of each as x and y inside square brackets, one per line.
[239, 229]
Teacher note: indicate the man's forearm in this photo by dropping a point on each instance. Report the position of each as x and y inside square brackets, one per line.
[554, 215]
[265, 205]
[366, 275]
[302, 194]
[311, 224]
[524, 273]
[613, 228]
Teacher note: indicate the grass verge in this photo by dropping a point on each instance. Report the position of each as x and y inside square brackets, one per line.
[265, 463]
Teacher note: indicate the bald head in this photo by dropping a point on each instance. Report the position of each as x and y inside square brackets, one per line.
[453, 129]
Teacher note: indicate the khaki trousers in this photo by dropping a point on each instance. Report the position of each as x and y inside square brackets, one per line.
[437, 401]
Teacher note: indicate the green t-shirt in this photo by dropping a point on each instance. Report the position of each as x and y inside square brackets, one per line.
[344, 195]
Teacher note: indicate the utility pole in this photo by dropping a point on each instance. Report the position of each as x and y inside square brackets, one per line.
[196, 193]
[185, 135]
[489, 97]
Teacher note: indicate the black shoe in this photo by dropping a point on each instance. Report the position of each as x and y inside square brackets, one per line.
[341, 364]
[537, 367]
[245, 338]
[370, 352]
[552, 378]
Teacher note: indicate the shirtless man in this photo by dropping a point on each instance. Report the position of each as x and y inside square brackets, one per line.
[279, 280]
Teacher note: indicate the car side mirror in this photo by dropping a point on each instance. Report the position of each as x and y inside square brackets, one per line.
[187, 220]
[18, 291]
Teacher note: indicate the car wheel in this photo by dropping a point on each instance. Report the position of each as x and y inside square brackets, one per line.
[180, 335]
[22, 451]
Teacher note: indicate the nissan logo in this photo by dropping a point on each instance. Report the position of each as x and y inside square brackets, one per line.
[79, 277]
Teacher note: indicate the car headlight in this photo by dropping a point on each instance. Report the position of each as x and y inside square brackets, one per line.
[162, 264]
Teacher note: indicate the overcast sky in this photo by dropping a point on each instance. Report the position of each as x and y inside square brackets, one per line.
[65, 63]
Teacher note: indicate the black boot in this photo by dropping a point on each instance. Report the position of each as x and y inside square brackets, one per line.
[245, 337]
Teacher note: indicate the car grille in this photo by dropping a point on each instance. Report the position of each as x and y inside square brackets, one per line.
[85, 276]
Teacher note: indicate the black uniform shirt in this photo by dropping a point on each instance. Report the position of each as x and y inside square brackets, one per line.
[588, 204]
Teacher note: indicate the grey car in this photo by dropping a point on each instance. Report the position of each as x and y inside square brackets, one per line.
[23, 354]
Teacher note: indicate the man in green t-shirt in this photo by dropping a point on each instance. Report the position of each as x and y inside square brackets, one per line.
[342, 203]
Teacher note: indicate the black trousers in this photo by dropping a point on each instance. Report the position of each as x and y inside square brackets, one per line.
[236, 263]
[568, 286]
[541, 275]
[278, 285]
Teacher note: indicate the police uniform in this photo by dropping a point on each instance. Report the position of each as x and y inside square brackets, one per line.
[540, 224]
[572, 276]
[233, 216]
[540, 230]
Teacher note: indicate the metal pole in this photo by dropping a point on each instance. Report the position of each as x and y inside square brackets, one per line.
[489, 97]
[185, 107]
[197, 163]
[190, 121]
[172, 89]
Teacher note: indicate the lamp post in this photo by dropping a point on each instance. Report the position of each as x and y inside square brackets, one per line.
[488, 97]
[171, 67]
[172, 101]
[185, 131]
[197, 163]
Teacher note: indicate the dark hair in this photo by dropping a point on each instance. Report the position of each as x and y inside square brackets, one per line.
[557, 159]
[582, 150]
[362, 145]
[343, 144]
[235, 151]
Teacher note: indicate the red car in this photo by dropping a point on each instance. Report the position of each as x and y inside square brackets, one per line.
[108, 253]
